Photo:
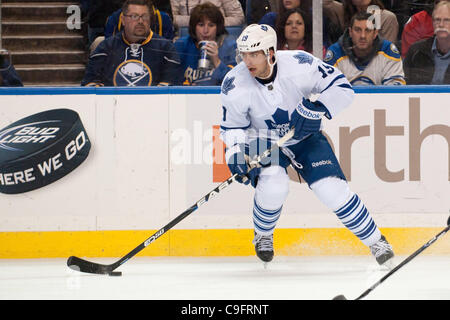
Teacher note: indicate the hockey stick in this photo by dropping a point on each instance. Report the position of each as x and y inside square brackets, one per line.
[82, 265]
[412, 256]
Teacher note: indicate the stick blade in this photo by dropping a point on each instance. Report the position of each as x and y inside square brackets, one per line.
[82, 265]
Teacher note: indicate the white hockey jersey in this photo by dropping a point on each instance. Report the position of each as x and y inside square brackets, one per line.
[254, 109]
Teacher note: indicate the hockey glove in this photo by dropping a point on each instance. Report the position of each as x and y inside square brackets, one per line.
[237, 161]
[257, 147]
[307, 118]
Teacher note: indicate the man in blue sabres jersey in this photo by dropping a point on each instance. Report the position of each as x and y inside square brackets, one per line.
[363, 57]
[265, 96]
[136, 56]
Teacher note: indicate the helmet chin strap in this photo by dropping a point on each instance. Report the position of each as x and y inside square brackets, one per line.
[271, 64]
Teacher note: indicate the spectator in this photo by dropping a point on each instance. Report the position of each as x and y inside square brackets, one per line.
[402, 11]
[136, 56]
[334, 11]
[256, 9]
[162, 24]
[164, 5]
[270, 18]
[418, 27]
[341, 14]
[427, 60]
[98, 12]
[294, 30]
[8, 75]
[231, 10]
[363, 57]
[85, 5]
[206, 24]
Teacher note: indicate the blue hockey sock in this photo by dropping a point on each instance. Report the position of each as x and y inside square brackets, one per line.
[265, 220]
[355, 216]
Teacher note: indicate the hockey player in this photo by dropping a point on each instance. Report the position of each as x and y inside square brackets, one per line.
[263, 97]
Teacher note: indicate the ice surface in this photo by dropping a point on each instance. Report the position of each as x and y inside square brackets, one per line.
[212, 278]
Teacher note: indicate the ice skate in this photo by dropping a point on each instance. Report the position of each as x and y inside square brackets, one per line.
[382, 251]
[264, 247]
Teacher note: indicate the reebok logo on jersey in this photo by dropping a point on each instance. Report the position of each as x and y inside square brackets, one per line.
[312, 115]
[321, 163]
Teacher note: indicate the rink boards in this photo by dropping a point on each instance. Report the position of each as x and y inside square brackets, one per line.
[156, 151]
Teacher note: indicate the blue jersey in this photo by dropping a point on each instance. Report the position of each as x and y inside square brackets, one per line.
[115, 62]
[190, 54]
[383, 67]
[8, 75]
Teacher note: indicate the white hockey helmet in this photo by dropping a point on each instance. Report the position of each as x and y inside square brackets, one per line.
[257, 37]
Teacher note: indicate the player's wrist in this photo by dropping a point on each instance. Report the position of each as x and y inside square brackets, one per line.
[309, 112]
[315, 107]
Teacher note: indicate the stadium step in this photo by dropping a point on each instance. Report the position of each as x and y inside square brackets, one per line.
[36, 10]
[43, 42]
[48, 57]
[46, 47]
[35, 74]
[41, 27]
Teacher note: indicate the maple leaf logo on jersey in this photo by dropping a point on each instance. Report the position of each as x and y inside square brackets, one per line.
[228, 85]
[279, 122]
[303, 58]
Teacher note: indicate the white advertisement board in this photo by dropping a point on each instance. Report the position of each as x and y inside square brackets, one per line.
[152, 158]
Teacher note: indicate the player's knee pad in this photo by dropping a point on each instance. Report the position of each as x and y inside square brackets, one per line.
[332, 192]
[272, 188]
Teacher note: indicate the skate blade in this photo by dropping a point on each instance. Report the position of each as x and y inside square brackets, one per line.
[390, 264]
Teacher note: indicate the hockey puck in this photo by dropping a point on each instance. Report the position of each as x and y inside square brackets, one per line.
[40, 149]
[115, 274]
[340, 297]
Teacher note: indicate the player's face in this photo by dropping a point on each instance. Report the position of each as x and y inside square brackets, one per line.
[295, 27]
[362, 36]
[441, 22]
[136, 22]
[206, 30]
[256, 63]
[289, 4]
